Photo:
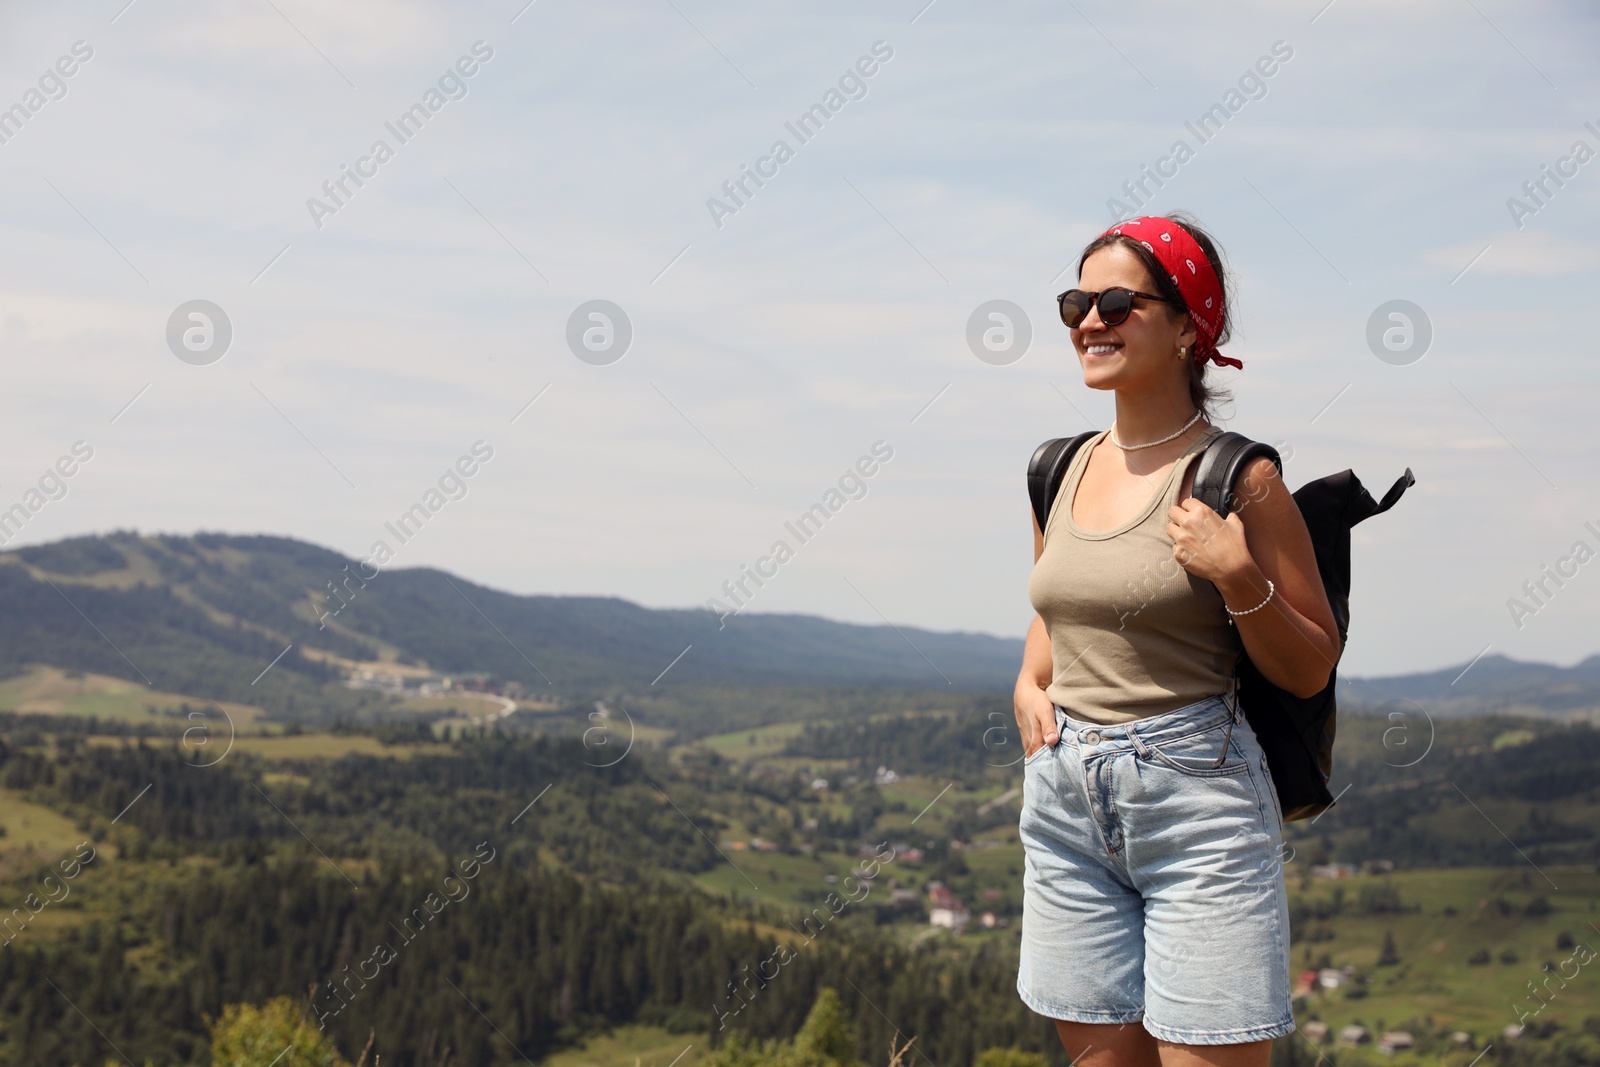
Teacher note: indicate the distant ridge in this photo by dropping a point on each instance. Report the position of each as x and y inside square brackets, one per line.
[1493, 684]
[205, 615]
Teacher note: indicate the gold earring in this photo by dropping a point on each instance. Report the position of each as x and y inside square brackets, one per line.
[1183, 352]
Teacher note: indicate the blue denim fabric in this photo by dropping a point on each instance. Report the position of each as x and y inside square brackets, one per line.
[1154, 886]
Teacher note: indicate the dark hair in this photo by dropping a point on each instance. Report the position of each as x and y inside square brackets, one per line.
[1203, 394]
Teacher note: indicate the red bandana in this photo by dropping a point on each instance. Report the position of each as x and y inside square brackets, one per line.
[1186, 264]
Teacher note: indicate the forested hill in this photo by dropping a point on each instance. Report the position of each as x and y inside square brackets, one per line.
[204, 615]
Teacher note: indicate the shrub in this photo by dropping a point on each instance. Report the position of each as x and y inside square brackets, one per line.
[248, 1036]
[823, 1041]
[1381, 899]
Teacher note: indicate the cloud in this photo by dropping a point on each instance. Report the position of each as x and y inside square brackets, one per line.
[1531, 253]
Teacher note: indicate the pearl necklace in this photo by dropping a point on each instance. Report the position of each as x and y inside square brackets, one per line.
[1150, 444]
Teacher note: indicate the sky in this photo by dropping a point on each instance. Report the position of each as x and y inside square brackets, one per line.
[769, 338]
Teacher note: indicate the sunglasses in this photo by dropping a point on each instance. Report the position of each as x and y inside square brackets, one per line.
[1115, 304]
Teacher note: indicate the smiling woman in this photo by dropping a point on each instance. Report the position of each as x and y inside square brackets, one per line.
[1149, 811]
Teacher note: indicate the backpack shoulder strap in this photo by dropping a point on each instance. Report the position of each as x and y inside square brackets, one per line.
[1046, 468]
[1219, 466]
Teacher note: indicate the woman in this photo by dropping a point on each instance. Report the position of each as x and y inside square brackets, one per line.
[1154, 893]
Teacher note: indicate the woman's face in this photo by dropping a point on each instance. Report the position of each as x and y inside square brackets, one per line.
[1143, 348]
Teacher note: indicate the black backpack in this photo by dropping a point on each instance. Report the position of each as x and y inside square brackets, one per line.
[1296, 733]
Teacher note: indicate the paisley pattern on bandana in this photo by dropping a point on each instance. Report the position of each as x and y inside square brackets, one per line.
[1197, 282]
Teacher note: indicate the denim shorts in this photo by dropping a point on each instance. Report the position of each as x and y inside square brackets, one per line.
[1154, 886]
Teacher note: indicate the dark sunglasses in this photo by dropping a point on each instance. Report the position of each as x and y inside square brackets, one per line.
[1115, 304]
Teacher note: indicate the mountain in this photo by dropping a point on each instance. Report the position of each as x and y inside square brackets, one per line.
[205, 615]
[208, 615]
[1492, 685]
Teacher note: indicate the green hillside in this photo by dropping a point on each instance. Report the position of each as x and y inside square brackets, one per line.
[205, 615]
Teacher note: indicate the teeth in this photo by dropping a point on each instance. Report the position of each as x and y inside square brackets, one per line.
[1100, 350]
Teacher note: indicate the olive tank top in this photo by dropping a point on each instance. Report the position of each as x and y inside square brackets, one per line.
[1132, 633]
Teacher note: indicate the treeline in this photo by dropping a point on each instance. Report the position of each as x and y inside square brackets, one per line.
[1546, 786]
[418, 952]
[614, 821]
[965, 746]
[580, 920]
[32, 729]
[654, 811]
[695, 709]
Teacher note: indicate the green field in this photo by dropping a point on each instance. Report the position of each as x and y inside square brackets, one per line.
[34, 836]
[51, 691]
[1458, 913]
[330, 746]
[753, 744]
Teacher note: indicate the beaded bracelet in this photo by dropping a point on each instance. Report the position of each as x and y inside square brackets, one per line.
[1270, 590]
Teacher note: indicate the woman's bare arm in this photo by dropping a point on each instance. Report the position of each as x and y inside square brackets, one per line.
[1036, 717]
[1294, 640]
